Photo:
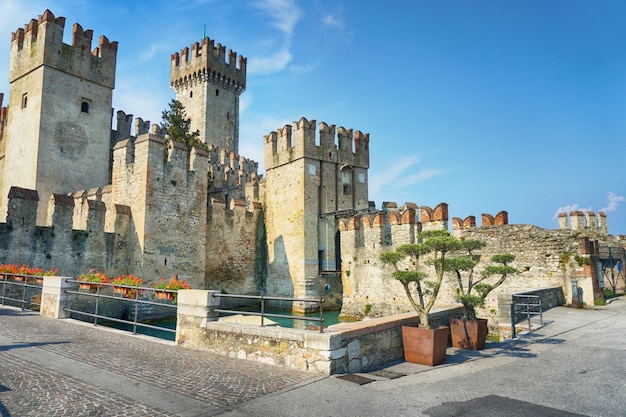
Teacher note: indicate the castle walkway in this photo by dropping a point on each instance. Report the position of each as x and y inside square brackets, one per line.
[54, 367]
[573, 366]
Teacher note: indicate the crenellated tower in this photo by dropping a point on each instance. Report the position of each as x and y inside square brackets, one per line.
[208, 83]
[59, 110]
[310, 183]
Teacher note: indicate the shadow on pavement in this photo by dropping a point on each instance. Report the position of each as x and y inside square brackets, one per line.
[27, 345]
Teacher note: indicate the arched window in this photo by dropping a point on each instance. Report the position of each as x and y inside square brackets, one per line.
[217, 93]
[84, 107]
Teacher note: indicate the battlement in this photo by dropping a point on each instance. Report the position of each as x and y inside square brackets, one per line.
[579, 220]
[40, 42]
[230, 172]
[208, 62]
[125, 123]
[291, 143]
[500, 219]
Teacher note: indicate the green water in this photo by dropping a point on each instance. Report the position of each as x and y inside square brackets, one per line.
[330, 318]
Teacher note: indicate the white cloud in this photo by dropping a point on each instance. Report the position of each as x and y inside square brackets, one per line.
[269, 64]
[284, 14]
[151, 51]
[333, 21]
[614, 200]
[399, 175]
[569, 208]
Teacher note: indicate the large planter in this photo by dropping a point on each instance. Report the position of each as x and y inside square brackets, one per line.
[468, 334]
[425, 346]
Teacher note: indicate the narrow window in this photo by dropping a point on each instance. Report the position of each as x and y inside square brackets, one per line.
[191, 94]
[24, 100]
[227, 115]
[84, 107]
[217, 93]
[347, 189]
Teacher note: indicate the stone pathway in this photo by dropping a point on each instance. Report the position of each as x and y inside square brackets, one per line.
[62, 368]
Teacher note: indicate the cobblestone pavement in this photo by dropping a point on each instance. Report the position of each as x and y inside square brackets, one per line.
[61, 368]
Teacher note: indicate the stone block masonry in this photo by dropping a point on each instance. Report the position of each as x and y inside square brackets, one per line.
[545, 258]
[341, 348]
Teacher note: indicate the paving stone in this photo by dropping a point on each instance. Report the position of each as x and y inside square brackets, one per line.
[33, 390]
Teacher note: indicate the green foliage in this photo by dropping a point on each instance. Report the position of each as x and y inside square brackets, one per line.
[582, 261]
[421, 293]
[368, 309]
[177, 126]
[472, 293]
[599, 301]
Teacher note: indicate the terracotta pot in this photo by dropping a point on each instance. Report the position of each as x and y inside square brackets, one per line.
[164, 295]
[425, 346]
[88, 287]
[468, 334]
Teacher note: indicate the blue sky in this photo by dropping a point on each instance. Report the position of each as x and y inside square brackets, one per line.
[485, 105]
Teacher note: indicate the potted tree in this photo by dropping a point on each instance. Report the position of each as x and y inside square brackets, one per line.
[424, 344]
[469, 331]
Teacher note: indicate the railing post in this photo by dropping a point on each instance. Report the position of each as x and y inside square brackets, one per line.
[513, 331]
[262, 311]
[321, 315]
[54, 299]
[195, 308]
[4, 286]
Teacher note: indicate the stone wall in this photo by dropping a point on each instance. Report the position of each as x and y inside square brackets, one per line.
[544, 258]
[60, 111]
[236, 253]
[341, 348]
[306, 187]
[59, 245]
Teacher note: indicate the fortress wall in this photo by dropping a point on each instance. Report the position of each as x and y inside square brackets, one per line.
[166, 190]
[59, 245]
[539, 257]
[236, 250]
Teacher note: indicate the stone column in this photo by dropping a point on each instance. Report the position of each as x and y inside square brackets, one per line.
[53, 297]
[195, 308]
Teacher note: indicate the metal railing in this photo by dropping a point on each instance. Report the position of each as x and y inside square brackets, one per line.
[24, 287]
[525, 306]
[263, 314]
[119, 293]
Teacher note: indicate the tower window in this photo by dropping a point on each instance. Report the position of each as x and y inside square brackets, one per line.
[24, 100]
[191, 94]
[227, 115]
[347, 189]
[217, 93]
[84, 107]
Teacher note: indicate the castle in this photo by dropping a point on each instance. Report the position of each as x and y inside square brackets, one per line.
[75, 194]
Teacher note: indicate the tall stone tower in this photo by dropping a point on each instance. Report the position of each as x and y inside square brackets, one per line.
[308, 188]
[209, 87]
[59, 116]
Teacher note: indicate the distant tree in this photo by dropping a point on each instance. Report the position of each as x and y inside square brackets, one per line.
[177, 126]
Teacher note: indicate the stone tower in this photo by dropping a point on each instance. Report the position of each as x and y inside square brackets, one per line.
[308, 188]
[209, 85]
[59, 111]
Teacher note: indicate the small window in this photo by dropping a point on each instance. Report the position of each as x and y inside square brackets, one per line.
[84, 107]
[217, 93]
[227, 115]
[191, 94]
[24, 100]
[347, 189]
